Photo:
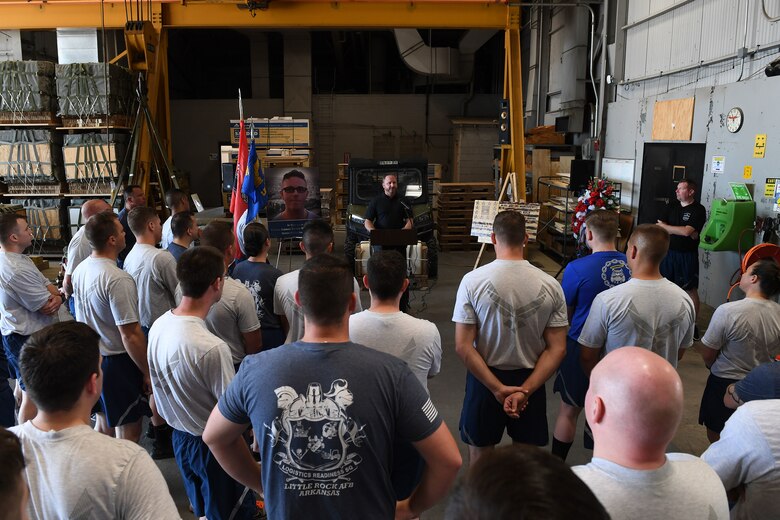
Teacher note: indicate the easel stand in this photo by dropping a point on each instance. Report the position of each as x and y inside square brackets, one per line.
[510, 177]
[292, 242]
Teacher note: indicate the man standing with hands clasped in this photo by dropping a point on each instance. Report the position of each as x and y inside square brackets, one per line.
[510, 332]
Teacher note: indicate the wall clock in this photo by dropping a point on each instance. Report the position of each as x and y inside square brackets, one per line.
[734, 120]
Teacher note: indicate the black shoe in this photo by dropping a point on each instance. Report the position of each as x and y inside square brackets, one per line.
[162, 447]
[696, 335]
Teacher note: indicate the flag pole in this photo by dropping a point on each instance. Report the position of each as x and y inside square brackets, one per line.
[240, 106]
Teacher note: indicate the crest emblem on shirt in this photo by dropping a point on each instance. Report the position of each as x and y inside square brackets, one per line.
[318, 438]
[613, 272]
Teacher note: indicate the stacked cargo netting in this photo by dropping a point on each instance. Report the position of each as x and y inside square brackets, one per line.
[31, 161]
[94, 94]
[92, 161]
[27, 92]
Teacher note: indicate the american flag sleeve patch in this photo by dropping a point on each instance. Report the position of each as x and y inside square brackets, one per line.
[430, 411]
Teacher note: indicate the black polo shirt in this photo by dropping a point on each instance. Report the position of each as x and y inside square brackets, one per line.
[387, 213]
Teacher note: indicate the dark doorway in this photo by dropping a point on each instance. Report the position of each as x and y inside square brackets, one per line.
[663, 166]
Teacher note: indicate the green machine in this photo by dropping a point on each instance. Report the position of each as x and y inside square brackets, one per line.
[728, 220]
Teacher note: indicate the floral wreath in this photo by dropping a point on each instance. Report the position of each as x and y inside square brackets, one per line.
[600, 194]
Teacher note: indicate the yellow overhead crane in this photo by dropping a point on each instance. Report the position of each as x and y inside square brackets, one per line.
[147, 42]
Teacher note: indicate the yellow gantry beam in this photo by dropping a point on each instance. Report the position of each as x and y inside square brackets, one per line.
[281, 14]
[294, 14]
[513, 155]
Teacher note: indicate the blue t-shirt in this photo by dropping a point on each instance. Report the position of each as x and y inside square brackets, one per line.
[176, 250]
[586, 277]
[260, 278]
[326, 416]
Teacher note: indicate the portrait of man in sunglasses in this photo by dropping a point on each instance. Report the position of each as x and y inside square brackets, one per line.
[294, 192]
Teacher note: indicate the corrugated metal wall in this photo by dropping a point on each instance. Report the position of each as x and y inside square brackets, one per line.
[694, 32]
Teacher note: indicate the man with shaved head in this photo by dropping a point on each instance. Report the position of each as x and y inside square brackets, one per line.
[79, 248]
[634, 406]
[648, 310]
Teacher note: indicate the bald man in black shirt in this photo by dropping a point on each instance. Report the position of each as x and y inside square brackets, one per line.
[389, 210]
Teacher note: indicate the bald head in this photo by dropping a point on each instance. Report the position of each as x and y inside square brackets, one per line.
[651, 242]
[93, 207]
[635, 398]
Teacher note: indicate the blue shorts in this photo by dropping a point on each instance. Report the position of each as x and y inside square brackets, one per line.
[408, 466]
[123, 399]
[571, 381]
[713, 413]
[12, 346]
[682, 268]
[483, 420]
[212, 492]
[272, 338]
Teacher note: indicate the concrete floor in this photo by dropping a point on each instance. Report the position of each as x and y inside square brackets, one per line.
[446, 389]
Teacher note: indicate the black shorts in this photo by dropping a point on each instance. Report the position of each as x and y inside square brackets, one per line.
[571, 381]
[713, 413]
[682, 268]
[483, 420]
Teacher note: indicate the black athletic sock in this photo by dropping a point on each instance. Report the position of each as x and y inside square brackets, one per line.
[561, 449]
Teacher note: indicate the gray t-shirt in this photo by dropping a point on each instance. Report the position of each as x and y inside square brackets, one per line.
[747, 333]
[414, 341]
[512, 303]
[284, 304]
[233, 315]
[78, 250]
[105, 297]
[23, 290]
[652, 314]
[154, 272]
[748, 452]
[326, 416]
[190, 369]
[683, 488]
[78, 473]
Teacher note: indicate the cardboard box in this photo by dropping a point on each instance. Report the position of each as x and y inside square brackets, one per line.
[273, 133]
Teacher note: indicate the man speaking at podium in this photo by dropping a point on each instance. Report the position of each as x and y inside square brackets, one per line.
[389, 210]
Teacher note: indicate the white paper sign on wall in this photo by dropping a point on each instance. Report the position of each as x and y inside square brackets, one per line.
[718, 163]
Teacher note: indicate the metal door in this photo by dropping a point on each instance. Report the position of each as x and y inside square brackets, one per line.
[663, 166]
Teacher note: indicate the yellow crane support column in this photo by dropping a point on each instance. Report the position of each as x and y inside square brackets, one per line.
[512, 155]
[147, 53]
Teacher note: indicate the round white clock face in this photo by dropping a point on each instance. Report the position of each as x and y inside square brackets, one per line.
[734, 120]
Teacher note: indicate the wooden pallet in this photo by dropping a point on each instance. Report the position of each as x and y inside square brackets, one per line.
[36, 189]
[456, 227]
[457, 242]
[97, 121]
[449, 213]
[447, 198]
[29, 118]
[484, 188]
[461, 205]
[89, 188]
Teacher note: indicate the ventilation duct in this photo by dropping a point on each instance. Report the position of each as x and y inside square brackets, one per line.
[446, 62]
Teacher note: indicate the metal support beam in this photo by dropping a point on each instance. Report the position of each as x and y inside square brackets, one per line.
[280, 15]
[512, 155]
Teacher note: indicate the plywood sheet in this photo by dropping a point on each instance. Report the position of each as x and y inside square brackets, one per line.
[673, 120]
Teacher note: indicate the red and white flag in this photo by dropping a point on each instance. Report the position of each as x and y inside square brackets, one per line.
[237, 204]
